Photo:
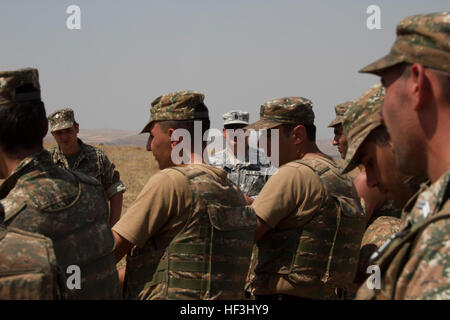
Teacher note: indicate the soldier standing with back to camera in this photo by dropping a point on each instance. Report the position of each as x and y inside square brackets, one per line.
[310, 222]
[68, 207]
[72, 153]
[416, 74]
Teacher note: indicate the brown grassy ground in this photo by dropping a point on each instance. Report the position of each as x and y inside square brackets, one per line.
[135, 164]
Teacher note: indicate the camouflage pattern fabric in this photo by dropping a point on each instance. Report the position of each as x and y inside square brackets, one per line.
[388, 209]
[235, 117]
[19, 86]
[70, 208]
[181, 105]
[289, 110]
[93, 162]
[248, 177]
[361, 118]
[28, 268]
[325, 251]
[423, 39]
[209, 257]
[61, 119]
[340, 110]
[414, 262]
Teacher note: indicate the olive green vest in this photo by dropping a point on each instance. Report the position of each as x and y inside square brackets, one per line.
[80, 233]
[28, 269]
[209, 257]
[325, 251]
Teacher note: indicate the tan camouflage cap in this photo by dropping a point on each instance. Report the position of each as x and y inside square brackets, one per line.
[19, 86]
[340, 110]
[361, 118]
[235, 117]
[61, 119]
[423, 39]
[290, 110]
[181, 105]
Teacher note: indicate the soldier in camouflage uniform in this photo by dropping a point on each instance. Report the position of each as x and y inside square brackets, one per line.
[72, 153]
[28, 268]
[249, 177]
[339, 139]
[68, 207]
[369, 146]
[189, 230]
[414, 263]
[302, 252]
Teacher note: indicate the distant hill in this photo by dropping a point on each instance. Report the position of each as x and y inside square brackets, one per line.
[113, 137]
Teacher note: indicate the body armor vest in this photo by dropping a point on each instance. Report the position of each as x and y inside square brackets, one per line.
[28, 269]
[209, 257]
[326, 249]
[80, 233]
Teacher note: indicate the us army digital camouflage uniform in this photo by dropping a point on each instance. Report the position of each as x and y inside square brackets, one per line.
[248, 177]
[414, 263]
[68, 207]
[93, 162]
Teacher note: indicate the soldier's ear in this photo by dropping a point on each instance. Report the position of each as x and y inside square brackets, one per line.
[299, 134]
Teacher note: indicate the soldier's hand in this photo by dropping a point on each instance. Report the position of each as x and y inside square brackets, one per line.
[248, 199]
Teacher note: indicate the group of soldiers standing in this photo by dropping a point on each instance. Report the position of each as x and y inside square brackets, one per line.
[228, 228]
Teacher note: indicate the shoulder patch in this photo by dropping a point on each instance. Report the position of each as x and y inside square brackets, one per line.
[12, 207]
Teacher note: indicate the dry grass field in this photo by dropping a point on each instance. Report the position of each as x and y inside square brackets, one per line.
[135, 164]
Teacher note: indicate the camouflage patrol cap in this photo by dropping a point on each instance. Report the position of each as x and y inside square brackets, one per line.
[290, 110]
[340, 111]
[61, 119]
[180, 105]
[361, 118]
[19, 86]
[423, 39]
[235, 117]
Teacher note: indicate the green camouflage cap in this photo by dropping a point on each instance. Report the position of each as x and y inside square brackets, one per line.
[61, 119]
[181, 105]
[340, 110]
[290, 110]
[362, 117]
[423, 39]
[19, 86]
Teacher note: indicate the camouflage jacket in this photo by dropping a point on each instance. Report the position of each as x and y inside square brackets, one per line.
[93, 162]
[415, 262]
[247, 176]
[28, 269]
[71, 209]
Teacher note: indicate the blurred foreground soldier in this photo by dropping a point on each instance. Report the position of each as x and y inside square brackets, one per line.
[370, 145]
[247, 176]
[71, 153]
[28, 269]
[190, 227]
[68, 207]
[416, 111]
[310, 222]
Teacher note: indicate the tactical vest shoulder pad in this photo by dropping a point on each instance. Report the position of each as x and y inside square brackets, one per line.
[188, 171]
[85, 178]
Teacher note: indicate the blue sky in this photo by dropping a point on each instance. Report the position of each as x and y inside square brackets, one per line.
[238, 53]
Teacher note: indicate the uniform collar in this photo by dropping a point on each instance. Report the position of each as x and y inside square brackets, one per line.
[39, 160]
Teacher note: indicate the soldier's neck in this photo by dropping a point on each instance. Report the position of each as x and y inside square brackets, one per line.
[70, 150]
[9, 162]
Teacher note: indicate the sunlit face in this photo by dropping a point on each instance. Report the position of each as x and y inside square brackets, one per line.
[66, 138]
[159, 142]
[381, 171]
[340, 140]
[401, 121]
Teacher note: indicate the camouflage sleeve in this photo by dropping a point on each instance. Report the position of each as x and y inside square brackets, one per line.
[427, 274]
[110, 177]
